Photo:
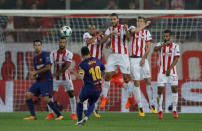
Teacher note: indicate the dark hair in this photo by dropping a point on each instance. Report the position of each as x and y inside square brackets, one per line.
[62, 37]
[85, 51]
[167, 31]
[141, 17]
[37, 41]
[114, 14]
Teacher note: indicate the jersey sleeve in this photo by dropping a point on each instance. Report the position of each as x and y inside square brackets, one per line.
[68, 57]
[131, 28]
[148, 37]
[107, 32]
[85, 38]
[81, 69]
[34, 62]
[177, 51]
[52, 57]
[47, 58]
[158, 44]
[102, 67]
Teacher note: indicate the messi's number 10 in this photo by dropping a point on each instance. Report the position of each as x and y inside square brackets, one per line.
[96, 73]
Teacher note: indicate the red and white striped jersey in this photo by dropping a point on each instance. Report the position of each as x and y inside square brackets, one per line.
[96, 47]
[167, 56]
[58, 59]
[118, 41]
[139, 41]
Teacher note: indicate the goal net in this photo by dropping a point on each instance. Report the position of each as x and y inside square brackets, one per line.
[18, 28]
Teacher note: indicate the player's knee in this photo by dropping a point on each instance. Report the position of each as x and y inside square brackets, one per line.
[107, 77]
[126, 79]
[147, 81]
[28, 95]
[160, 90]
[174, 89]
[136, 83]
[46, 99]
[71, 94]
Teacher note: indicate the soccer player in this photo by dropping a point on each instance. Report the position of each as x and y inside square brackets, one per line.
[141, 44]
[90, 70]
[61, 60]
[169, 55]
[44, 81]
[118, 36]
[93, 41]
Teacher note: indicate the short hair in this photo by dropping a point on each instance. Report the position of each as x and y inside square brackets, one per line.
[85, 51]
[37, 41]
[114, 14]
[141, 17]
[167, 31]
[63, 37]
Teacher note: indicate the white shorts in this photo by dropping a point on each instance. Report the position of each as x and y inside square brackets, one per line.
[121, 60]
[67, 84]
[138, 72]
[163, 79]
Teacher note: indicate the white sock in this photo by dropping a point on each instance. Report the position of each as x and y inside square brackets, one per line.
[130, 88]
[160, 102]
[96, 104]
[138, 96]
[150, 94]
[85, 105]
[105, 88]
[49, 109]
[175, 100]
[73, 104]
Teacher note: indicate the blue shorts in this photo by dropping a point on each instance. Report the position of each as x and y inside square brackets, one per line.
[43, 88]
[92, 96]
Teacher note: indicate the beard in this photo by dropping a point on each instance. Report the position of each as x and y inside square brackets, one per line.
[62, 47]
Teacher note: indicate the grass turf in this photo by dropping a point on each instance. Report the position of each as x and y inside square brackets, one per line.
[110, 121]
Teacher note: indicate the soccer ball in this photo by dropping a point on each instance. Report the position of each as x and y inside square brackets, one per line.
[66, 31]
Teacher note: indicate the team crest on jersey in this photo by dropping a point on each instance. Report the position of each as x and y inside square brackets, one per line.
[40, 59]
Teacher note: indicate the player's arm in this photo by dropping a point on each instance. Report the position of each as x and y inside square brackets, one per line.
[108, 35]
[90, 40]
[138, 29]
[158, 47]
[127, 33]
[148, 46]
[175, 60]
[44, 69]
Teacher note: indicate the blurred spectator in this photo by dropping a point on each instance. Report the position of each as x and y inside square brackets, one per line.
[19, 4]
[38, 3]
[133, 5]
[112, 5]
[190, 4]
[155, 4]
[177, 4]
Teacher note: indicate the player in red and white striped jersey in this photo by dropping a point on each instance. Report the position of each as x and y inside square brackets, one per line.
[61, 60]
[93, 41]
[167, 74]
[118, 36]
[139, 65]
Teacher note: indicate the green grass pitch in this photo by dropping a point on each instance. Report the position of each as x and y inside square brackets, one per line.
[110, 121]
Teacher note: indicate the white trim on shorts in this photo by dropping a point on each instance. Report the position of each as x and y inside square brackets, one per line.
[67, 84]
[163, 79]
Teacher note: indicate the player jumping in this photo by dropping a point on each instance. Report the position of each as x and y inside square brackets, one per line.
[118, 35]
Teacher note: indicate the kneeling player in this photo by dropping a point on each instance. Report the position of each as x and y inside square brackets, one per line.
[169, 57]
[90, 71]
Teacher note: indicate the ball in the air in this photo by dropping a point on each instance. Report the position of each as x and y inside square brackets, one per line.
[66, 31]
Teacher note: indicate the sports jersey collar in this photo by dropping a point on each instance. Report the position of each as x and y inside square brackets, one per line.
[61, 52]
[118, 26]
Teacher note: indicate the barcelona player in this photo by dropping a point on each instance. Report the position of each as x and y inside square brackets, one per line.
[44, 81]
[90, 70]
